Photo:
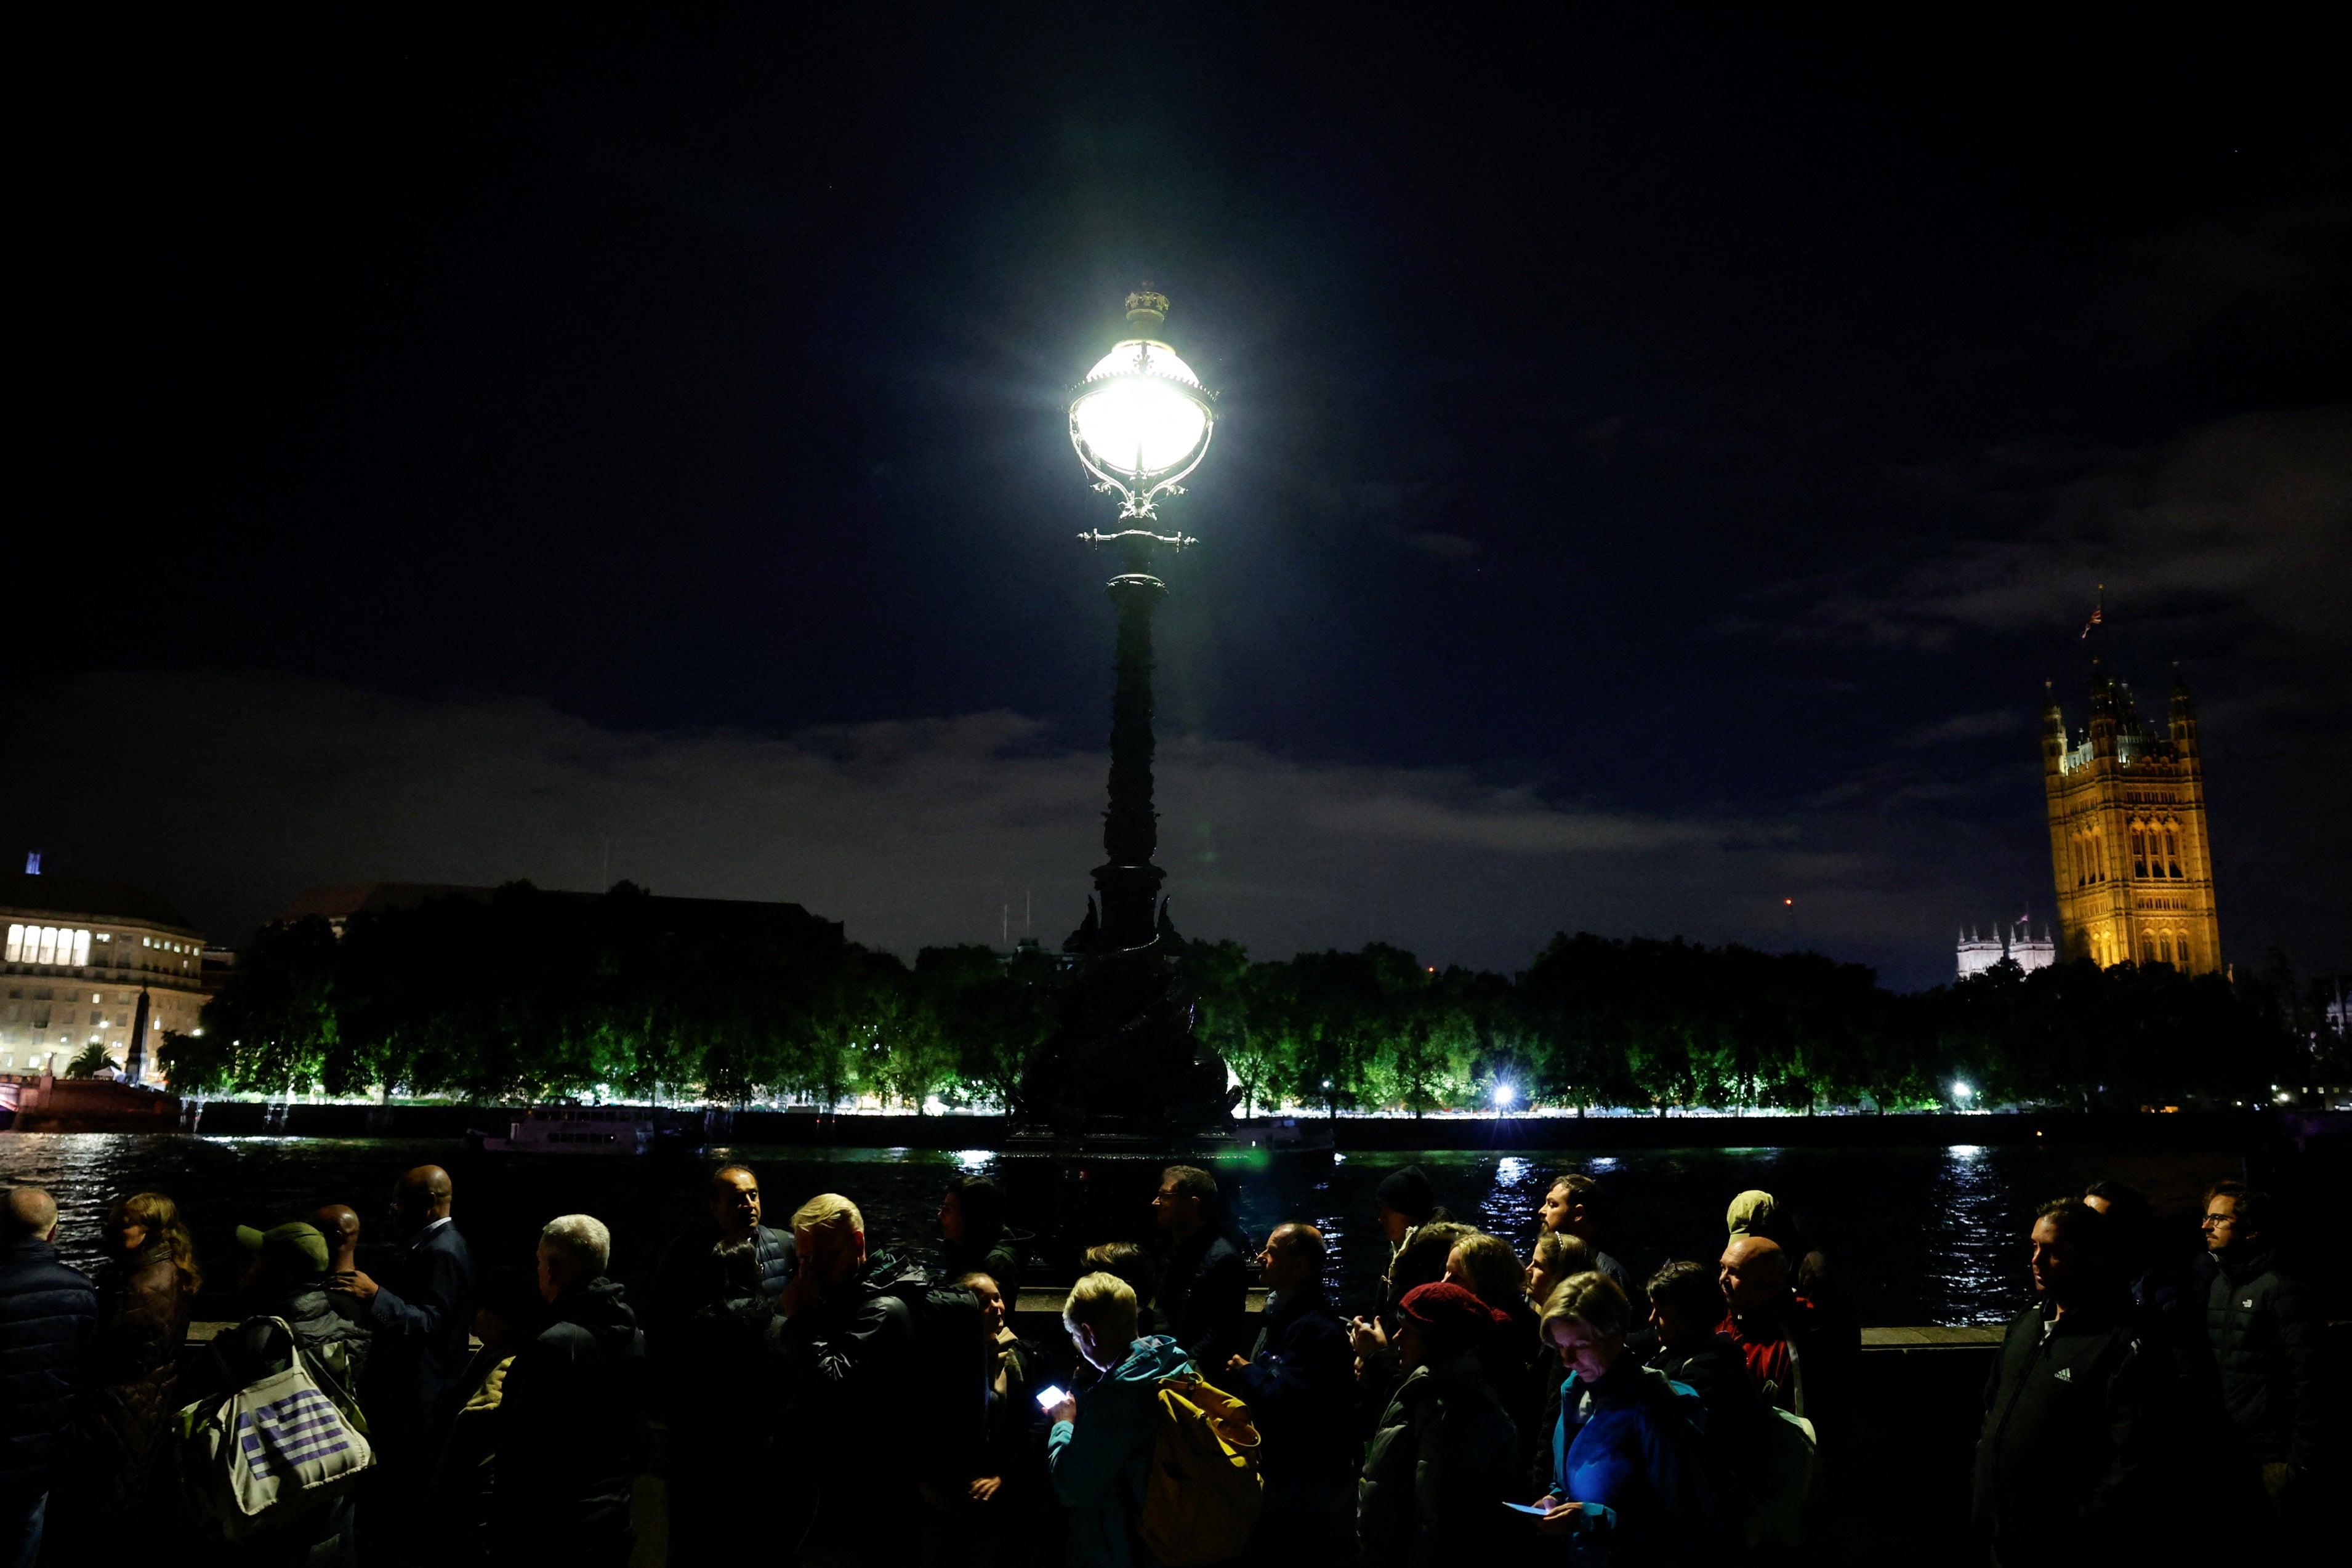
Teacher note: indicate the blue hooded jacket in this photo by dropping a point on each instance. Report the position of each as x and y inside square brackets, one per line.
[1628, 1448]
[1102, 1462]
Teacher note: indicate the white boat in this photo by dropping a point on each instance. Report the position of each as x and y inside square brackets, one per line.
[1285, 1134]
[578, 1130]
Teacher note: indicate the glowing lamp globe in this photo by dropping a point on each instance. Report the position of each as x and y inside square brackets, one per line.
[1141, 419]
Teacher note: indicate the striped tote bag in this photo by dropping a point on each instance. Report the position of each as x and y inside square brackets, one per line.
[281, 1448]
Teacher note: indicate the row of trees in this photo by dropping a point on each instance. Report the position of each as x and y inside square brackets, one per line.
[527, 995]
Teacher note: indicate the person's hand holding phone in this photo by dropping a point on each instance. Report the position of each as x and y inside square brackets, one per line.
[1563, 1519]
[1058, 1404]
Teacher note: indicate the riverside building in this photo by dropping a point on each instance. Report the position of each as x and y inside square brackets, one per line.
[2015, 942]
[92, 963]
[2128, 839]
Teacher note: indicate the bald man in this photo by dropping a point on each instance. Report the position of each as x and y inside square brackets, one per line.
[48, 1314]
[1300, 1381]
[339, 1224]
[421, 1314]
[1765, 1319]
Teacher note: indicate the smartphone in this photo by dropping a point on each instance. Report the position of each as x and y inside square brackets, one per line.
[1049, 1397]
[1527, 1508]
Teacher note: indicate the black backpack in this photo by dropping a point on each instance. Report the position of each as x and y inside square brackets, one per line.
[948, 1413]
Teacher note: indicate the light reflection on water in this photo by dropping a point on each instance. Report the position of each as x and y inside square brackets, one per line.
[1920, 1235]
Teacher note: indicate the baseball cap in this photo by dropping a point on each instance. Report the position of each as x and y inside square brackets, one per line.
[299, 1247]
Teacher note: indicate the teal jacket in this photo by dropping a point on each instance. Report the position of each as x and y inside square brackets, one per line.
[1101, 1462]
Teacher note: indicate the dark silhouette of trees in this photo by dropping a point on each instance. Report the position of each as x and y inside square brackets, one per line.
[525, 994]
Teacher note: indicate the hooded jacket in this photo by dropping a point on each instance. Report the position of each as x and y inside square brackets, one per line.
[1300, 1386]
[569, 1418]
[2069, 1413]
[1101, 1462]
[1630, 1443]
[2264, 1330]
[48, 1314]
[1443, 1459]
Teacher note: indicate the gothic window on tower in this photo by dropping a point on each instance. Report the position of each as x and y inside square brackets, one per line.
[2172, 847]
[2139, 849]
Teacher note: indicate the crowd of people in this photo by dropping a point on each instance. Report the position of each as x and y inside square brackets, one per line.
[1501, 1400]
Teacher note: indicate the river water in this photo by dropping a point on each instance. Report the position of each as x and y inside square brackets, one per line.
[1921, 1234]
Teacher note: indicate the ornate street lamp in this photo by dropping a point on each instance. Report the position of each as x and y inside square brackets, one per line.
[1140, 422]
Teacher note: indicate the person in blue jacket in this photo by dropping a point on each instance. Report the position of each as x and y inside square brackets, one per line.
[1630, 1482]
[1100, 1450]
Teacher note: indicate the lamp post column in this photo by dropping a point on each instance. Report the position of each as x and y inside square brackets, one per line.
[1127, 883]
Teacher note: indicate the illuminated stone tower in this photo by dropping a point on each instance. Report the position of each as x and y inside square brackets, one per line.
[2127, 840]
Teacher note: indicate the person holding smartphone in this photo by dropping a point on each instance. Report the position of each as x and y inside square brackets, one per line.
[1100, 1450]
[1626, 1461]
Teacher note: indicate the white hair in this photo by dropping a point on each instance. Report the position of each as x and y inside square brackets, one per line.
[583, 1237]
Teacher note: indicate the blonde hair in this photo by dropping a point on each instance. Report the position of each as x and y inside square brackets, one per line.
[1593, 1297]
[162, 1218]
[1494, 1268]
[828, 1211]
[1104, 1301]
[1560, 1254]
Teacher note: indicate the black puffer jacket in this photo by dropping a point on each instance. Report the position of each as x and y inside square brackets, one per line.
[134, 1385]
[2263, 1327]
[570, 1425]
[48, 1314]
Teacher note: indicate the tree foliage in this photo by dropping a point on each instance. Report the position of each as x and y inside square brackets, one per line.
[527, 995]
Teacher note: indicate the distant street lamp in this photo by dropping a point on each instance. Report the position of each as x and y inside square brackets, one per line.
[1504, 1095]
[1962, 1091]
[1140, 422]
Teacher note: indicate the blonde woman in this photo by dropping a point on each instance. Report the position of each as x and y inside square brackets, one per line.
[1099, 1450]
[1626, 1459]
[1558, 1255]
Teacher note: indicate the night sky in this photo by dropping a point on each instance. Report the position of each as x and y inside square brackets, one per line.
[1661, 458]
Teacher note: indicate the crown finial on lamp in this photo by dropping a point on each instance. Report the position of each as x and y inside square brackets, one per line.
[1147, 307]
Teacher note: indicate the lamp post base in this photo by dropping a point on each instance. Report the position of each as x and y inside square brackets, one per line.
[1124, 1063]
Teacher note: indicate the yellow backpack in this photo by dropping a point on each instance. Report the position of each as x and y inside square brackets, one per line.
[1204, 1497]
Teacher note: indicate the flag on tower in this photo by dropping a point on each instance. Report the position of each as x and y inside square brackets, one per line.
[2099, 609]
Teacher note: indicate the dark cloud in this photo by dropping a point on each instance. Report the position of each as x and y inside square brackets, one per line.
[923, 833]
